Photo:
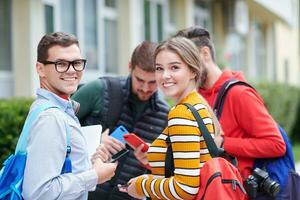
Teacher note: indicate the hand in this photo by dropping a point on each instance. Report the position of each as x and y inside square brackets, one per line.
[141, 156]
[105, 171]
[102, 153]
[130, 189]
[110, 143]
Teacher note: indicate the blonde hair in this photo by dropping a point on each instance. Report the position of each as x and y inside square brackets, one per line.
[189, 54]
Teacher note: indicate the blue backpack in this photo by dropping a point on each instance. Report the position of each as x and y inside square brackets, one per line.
[11, 174]
[279, 168]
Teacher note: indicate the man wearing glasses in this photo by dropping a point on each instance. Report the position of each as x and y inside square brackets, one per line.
[60, 67]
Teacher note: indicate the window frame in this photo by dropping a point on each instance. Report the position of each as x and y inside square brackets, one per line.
[165, 26]
[102, 12]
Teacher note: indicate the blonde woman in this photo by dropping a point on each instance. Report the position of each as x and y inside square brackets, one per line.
[178, 74]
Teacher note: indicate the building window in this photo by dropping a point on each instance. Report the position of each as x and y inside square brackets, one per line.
[259, 52]
[202, 14]
[91, 33]
[5, 35]
[95, 24]
[154, 19]
[111, 46]
[111, 3]
[235, 50]
[147, 20]
[68, 16]
[110, 42]
[49, 18]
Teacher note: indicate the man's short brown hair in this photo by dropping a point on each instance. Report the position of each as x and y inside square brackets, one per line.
[142, 56]
[52, 39]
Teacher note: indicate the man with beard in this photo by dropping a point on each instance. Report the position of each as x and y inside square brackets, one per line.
[142, 112]
[250, 132]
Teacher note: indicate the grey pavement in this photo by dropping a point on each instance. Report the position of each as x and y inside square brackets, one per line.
[298, 167]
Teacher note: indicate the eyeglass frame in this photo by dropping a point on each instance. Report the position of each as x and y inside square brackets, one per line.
[47, 62]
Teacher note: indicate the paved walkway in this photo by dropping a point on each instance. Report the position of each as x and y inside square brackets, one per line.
[298, 167]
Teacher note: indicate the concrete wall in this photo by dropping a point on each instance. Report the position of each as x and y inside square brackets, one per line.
[27, 29]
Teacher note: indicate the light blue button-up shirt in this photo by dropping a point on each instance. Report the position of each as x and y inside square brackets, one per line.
[46, 152]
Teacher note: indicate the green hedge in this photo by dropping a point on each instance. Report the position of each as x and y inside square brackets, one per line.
[282, 102]
[12, 116]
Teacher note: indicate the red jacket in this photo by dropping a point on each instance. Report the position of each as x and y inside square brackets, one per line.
[249, 130]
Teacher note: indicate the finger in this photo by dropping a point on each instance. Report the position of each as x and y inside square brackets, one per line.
[115, 146]
[106, 132]
[123, 189]
[104, 150]
[117, 143]
[139, 148]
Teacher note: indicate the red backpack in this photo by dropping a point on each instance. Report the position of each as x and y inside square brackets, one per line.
[219, 179]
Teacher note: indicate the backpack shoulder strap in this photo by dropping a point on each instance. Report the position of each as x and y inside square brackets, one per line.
[115, 95]
[214, 151]
[22, 142]
[67, 167]
[212, 147]
[219, 103]
[169, 164]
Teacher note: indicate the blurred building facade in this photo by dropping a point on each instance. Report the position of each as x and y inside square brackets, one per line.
[258, 37]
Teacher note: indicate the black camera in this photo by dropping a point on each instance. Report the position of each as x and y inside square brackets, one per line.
[260, 181]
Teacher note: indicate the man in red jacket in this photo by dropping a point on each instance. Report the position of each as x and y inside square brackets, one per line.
[249, 130]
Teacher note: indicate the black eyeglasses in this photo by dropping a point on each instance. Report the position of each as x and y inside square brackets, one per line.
[63, 65]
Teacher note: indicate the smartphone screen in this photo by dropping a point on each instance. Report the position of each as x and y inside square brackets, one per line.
[119, 155]
[118, 133]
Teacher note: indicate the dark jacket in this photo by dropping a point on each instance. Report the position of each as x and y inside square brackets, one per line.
[148, 126]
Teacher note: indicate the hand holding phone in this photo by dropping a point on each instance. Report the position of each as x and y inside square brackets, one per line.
[134, 141]
[119, 132]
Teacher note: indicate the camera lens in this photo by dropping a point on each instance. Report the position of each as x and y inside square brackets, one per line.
[266, 184]
[271, 187]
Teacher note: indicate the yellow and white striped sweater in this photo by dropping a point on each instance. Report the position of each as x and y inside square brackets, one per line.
[189, 152]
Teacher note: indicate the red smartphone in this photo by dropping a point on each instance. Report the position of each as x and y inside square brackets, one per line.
[134, 141]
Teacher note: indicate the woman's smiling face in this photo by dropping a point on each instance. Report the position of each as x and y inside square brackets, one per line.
[173, 76]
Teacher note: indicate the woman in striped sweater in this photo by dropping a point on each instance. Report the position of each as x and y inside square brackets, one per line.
[179, 72]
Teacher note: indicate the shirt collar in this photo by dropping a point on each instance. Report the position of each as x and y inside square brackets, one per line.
[56, 100]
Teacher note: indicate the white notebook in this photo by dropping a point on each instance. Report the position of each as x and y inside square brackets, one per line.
[92, 136]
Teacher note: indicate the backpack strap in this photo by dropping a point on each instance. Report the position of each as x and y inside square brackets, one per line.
[219, 103]
[22, 142]
[169, 161]
[211, 145]
[214, 151]
[67, 167]
[115, 95]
